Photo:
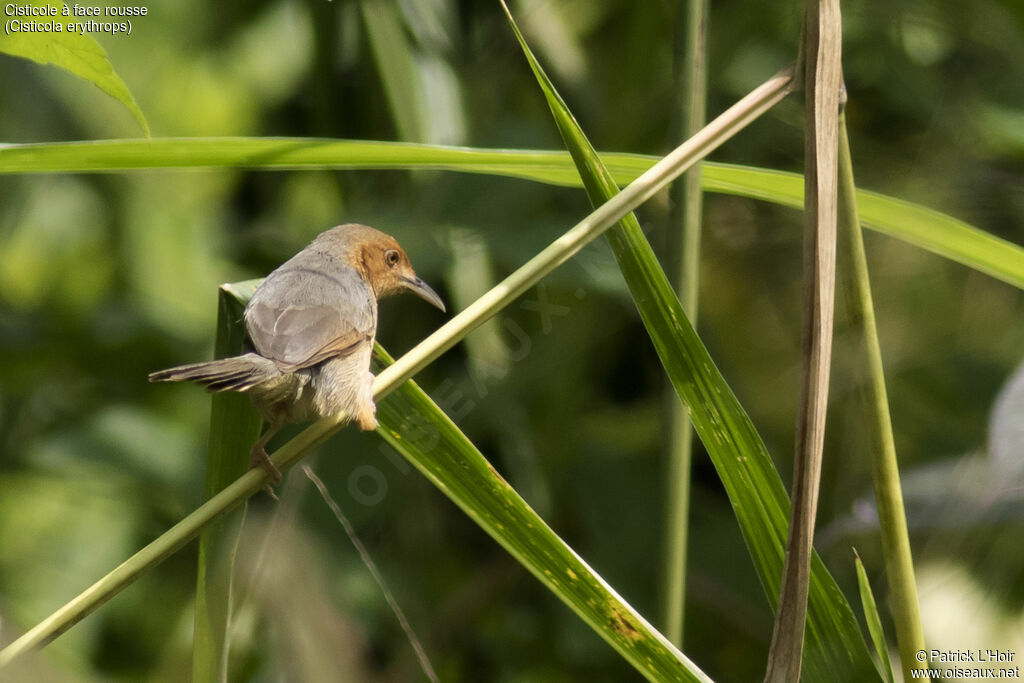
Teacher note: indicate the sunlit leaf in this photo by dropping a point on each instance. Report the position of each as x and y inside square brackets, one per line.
[77, 53]
[234, 426]
[416, 427]
[912, 223]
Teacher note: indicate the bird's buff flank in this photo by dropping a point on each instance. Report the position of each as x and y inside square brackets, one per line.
[312, 324]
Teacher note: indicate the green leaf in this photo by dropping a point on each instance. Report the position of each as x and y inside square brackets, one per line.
[835, 648]
[234, 426]
[867, 601]
[928, 229]
[917, 225]
[77, 53]
[419, 430]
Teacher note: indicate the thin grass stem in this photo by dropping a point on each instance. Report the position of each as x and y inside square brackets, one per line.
[683, 250]
[885, 475]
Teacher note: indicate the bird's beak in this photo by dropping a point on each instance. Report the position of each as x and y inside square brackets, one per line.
[423, 291]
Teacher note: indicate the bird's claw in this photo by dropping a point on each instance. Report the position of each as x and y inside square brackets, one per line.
[258, 458]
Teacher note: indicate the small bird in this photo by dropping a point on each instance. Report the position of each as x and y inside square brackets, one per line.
[312, 323]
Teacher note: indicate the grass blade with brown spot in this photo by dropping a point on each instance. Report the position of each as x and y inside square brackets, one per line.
[838, 651]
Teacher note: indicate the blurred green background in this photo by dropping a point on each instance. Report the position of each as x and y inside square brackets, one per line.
[104, 278]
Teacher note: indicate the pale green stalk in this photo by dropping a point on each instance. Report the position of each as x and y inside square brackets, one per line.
[650, 182]
[684, 251]
[643, 188]
[885, 475]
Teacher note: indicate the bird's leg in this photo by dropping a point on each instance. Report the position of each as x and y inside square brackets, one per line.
[366, 412]
[258, 455]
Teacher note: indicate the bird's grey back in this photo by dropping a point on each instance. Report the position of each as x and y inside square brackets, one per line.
[313, 307]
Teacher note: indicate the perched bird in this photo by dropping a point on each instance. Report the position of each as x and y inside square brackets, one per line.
[312, 324]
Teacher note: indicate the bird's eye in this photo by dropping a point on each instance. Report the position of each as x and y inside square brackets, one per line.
[391, 257]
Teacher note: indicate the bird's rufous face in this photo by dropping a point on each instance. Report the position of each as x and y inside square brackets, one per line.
[390, 272]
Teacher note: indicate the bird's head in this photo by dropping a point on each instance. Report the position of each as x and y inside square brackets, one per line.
[382, 262]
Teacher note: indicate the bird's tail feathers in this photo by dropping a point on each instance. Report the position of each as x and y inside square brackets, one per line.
[238, 373]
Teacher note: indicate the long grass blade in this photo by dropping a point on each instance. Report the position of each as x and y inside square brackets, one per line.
[419, 430]
[838, 651]
[917, 225]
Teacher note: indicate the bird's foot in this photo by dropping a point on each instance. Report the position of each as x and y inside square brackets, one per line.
[366, 417]
[258, 458]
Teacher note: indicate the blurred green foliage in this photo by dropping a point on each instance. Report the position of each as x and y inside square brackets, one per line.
[104, 278]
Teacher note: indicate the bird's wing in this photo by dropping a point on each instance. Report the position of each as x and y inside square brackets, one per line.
[303, 314]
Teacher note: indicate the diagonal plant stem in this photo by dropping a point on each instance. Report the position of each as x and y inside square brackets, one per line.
[371, 566]
[649, 183]
[822, 81]
[885, 474]
[684, 253]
